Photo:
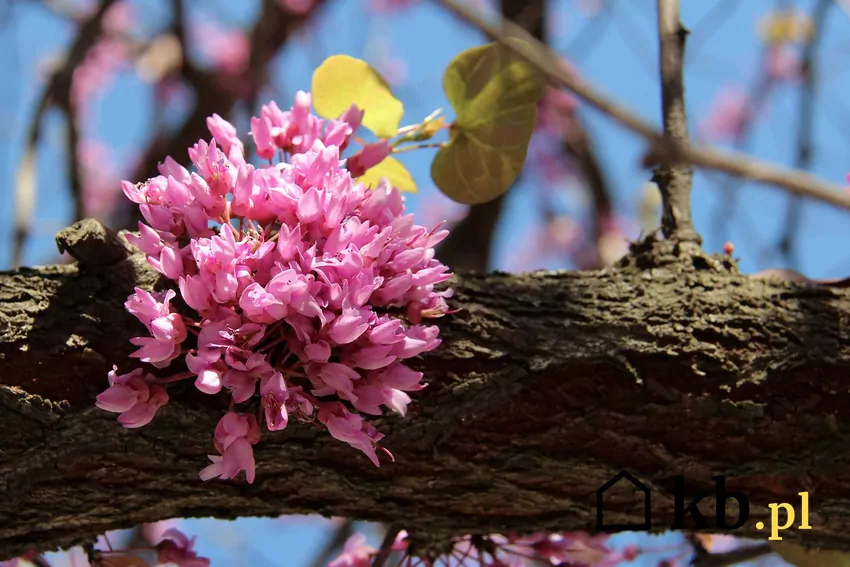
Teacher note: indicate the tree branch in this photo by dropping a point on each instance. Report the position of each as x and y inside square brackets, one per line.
[57, 92]
[273, 27]
[805, 127]
[661, 150]
[674, 178]
[546, 385]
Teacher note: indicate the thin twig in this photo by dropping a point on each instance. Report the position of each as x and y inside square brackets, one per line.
[386, 546]
[674, 178]
[340, 535]
[795, 181]
[805, 127]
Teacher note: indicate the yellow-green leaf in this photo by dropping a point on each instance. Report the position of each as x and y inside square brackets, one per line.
[394, 171]
[802, 557]
[494, 94]
[341, 81]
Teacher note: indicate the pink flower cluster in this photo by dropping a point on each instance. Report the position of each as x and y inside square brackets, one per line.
[295, 283]
[566, 548]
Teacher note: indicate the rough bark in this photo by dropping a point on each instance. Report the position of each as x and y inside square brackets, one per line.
[546, 385]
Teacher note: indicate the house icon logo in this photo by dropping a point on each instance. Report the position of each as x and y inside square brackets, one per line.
[647, 505]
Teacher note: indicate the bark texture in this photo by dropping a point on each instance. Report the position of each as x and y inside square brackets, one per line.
[545, 387]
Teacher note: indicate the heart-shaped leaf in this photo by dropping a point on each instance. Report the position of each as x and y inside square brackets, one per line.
[494, 94]
[341, 81]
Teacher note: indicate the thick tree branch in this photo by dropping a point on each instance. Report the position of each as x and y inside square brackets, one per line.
[546, 386]
[661, 150]
[674, 178]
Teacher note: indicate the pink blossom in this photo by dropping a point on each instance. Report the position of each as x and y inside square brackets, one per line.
[351, 428]
[727, 116]
[228, 49]
[297, 6]
[234, 435]
[98, 177]
[93, 75]
[370, 156]
[783, 63]
[293, 279]
[390, 6]
[134, 395]
[166, 327]
[355, 553]
[176, 548]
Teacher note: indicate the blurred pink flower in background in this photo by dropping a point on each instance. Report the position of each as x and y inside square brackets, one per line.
[556, 122]
[227, 49]
[104, 59]
[100, 181]
[172, 90]
[119, 18]
[154, 532]
[556, 110]
[296, 6]
[548, 161]
[783, 63]
[389, 6]
[726, 117]
[94, 74]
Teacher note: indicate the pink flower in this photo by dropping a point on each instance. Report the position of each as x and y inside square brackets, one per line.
[352, 429]
[297, 6]
[228, 49]
[176, 548]
[134, 396]
[355, 553]
[370, 156]
[166, 327]
[98, 177]
[783, 63]
[728, 115]
[390, 6]
[234, 436]
[293, 277]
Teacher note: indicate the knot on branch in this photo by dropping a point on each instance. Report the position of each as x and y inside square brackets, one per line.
[654, 251]
[92, 244]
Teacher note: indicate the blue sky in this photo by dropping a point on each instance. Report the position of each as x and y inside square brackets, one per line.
[619, 56]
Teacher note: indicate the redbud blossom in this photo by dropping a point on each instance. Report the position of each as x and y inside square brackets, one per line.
[177, 549]
[355, 553]
[134, 396]
[294, 280]
[370, 156]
